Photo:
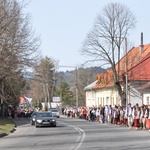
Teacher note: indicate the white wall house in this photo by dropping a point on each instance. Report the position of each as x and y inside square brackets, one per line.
[145, 93]
[109, 95]
[138, 74]
[102, 96]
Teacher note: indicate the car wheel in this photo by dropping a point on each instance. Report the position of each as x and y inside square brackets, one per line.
[31, 122]
[54, 125]
[36, 125]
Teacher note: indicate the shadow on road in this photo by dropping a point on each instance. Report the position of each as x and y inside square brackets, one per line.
[21, 121]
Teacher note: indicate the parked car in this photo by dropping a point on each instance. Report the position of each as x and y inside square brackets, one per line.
[45, 119]
[32, 118]
[55, 112]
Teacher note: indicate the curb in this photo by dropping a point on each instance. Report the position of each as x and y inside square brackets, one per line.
[2, 135]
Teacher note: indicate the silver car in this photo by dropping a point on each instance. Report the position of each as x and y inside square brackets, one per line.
[55, 112]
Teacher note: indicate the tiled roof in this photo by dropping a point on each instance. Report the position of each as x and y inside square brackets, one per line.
[134, 56]
[104, 80]
[138, 63]
[141, 71]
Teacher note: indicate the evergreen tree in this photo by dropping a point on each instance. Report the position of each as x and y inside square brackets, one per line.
[66, 94]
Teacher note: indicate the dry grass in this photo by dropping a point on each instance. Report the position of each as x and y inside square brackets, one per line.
[6, 126]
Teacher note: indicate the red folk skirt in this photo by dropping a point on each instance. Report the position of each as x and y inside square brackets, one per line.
[125, 121]
[147, 123]
[116, 121]
[136, 123]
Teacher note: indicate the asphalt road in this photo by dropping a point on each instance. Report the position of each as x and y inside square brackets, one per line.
[74, 134]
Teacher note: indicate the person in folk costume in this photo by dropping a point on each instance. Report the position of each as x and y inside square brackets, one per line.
[136, 117]
[147, 114]
[98, 114]
[89, 113]
[121, 115]
[102, 114]
[71, 113]
[106, 114]
[129, 116]
[125, 118]
[92, 114]
[116, 115]
[83, 113]
[110, 114]
[142, 117]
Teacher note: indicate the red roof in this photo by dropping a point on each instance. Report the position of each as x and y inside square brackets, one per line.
[141, 71]
[105, 79]
[138, 63]
[133, 57]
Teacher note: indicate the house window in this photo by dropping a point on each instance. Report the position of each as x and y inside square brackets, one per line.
[93, 96]
[112, 101]
[103, 101]
[98, 101]
[107, 100]
[148, 100]
[116, 100]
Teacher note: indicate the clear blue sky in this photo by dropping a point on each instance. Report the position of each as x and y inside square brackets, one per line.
[64, 24]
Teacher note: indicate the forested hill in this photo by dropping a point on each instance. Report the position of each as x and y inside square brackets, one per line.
[88, 74]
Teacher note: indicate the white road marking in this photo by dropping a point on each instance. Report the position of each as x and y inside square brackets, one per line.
[80, 138]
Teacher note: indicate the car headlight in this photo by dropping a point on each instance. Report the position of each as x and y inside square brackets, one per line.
[39, 121]
[33, 119]
[53, 120]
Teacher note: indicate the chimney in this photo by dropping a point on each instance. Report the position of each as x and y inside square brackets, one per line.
[141, 46]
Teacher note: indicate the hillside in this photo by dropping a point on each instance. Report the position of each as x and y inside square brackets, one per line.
[70, 76]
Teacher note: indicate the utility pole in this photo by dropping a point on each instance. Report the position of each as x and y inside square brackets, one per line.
[77, 101]
[126, 76]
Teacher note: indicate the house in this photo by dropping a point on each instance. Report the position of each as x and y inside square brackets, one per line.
[136, 65]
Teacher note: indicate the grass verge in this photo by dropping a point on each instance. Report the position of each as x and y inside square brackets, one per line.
[6, 126]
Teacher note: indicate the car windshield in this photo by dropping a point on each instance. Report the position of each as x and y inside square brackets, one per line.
[34, 113]
[53, 110]
[45, 115]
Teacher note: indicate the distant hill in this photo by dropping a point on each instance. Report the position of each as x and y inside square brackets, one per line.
[70, 76]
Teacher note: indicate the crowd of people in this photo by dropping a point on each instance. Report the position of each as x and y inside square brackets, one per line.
[11, 112]
[137, 117]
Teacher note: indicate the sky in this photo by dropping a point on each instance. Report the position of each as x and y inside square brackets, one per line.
[64, 24]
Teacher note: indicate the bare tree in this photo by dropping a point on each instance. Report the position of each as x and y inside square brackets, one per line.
[105, 41]
[44, 79]
[85, 77]
[18, 47]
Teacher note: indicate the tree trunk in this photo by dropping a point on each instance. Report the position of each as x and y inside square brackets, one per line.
[121, 94]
